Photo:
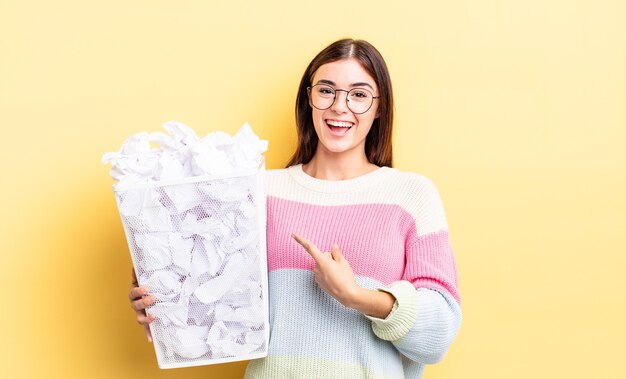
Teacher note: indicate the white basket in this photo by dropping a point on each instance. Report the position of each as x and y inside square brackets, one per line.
[199, 245]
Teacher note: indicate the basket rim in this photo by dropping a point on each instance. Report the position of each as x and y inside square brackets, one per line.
[119, 187]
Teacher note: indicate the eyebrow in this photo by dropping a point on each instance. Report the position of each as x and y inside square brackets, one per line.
[358, 84]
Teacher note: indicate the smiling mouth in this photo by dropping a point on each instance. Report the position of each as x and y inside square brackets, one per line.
[339, 128]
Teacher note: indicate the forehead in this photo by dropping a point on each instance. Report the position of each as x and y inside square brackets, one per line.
[344, 73]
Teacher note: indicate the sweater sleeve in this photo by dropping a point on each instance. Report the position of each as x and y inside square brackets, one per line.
[426, 315]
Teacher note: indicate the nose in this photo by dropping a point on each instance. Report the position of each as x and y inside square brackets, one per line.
[340, 105]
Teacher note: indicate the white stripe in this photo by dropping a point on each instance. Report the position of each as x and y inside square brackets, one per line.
[414, 193]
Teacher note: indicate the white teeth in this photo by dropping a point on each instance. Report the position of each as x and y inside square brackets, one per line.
[339, 124]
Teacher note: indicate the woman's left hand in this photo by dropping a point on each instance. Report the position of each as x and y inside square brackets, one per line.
[335, 276]
[332, 272]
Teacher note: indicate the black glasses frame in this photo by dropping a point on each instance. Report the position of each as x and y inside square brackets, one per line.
[347, 97]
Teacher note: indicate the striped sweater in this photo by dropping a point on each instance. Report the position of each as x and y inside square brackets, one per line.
[392, 229]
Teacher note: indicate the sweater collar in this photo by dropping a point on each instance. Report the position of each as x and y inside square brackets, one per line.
[338, 186]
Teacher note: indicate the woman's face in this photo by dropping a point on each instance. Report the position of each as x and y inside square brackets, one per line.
[338, 128]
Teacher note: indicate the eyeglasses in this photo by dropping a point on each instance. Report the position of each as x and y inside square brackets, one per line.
[359, 100]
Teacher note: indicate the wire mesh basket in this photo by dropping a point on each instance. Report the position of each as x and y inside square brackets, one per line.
[198, 244]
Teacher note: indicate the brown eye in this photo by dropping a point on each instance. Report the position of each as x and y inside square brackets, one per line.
[360, 95]
[325, 90]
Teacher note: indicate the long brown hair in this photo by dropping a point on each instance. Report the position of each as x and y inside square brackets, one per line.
[378, 141]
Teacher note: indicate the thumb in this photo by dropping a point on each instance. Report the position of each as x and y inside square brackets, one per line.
[336, 253]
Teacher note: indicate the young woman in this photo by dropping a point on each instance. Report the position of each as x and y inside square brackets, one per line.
[362, 278]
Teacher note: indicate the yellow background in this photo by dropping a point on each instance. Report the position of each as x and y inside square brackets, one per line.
[516, 109]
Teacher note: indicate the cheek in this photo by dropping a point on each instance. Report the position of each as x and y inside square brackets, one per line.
[318, 121]
[318, 117]
[375, 110]
[367, 121]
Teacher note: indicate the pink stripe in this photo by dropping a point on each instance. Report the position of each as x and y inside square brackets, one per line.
[371, 236]
[378, 240]
[430, 264]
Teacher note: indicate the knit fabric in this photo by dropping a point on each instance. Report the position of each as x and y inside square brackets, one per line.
[391, 228]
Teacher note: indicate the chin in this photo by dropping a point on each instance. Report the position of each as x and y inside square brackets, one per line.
[336, 148]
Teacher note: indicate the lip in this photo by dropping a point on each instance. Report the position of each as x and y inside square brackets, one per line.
[336, 120]
[338, 131]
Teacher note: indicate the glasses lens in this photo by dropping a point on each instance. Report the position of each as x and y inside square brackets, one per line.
[359, 100]
[322, 96]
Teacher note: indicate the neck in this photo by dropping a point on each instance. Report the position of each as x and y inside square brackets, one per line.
[329, 166]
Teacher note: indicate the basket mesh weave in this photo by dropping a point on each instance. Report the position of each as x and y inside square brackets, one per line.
[200, 248]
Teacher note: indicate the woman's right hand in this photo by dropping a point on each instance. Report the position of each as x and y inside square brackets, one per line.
[139, 301]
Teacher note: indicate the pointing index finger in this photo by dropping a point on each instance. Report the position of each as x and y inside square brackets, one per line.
[308, 246]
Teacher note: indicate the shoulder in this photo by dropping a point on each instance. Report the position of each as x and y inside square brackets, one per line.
[276, 179]
[411, 184]
[411, 178]
[277, 174]
[419, 196]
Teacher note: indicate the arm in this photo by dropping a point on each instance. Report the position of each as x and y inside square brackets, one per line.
[427, 315]
[423, 324]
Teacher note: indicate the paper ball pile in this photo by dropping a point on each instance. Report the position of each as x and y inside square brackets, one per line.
[195, 244]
